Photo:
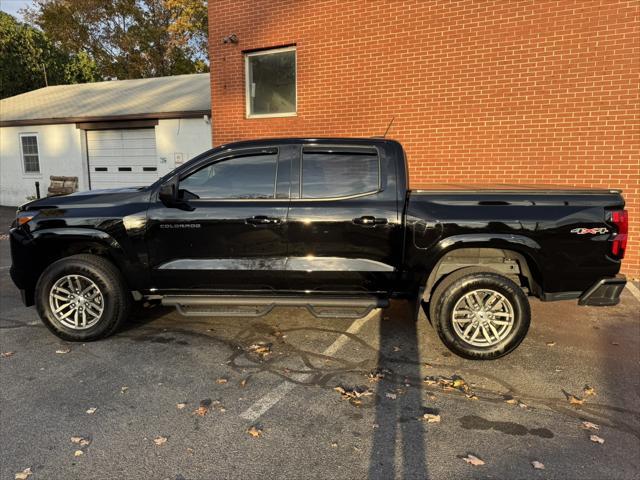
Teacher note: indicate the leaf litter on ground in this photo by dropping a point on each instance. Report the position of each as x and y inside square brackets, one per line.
[354, 395]
[82, 441]
[255, 431]
[160, 440]
[596, 439]
[63, 350]
[537, 465]
[260, 349]
[473, 460]
[7, 355]
[24, 474]
[590, 426]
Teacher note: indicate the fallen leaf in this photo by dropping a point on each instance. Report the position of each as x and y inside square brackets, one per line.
[590, 426]
[62, 351]
[588, 391]
[78, 453]
[83, 442]
[472, 396]
[473, 460]
[572, 399]
[378, 374]
[550, 344]
[222, 381]
[260, 349]
[203, 408]
[201, 411]
[511, 401]
[243, 382]
[431, 418]
[255, 432]
[7, 355]
[396, 348]
[458, 382]
[353, 395]
[24, 474]
[92, 410]
[124, 389]
[334, 445]
[537, 465]
[596, 439]
[181, 405]
[160, 440]
[392, 396]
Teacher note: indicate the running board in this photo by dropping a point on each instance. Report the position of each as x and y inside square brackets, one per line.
[241, 306]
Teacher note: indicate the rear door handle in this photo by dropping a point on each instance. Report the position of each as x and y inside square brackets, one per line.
[369, 220]
[262, 220]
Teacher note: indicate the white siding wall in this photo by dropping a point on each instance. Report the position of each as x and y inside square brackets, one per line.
[61, 149]
[186, 136]
[60, 152]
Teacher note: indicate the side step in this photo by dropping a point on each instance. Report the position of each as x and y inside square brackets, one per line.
[244, 306]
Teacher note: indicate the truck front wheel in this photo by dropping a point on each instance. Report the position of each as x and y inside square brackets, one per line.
[480, 315]
[82, 297]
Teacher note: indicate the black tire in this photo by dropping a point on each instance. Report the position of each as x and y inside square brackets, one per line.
[453, 287]
[116, 304]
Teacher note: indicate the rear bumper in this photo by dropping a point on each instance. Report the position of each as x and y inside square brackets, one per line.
[605, 292]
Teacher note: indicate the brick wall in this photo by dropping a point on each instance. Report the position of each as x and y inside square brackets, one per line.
[482, 91]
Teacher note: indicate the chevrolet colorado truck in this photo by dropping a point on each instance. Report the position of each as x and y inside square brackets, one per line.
[329, 224]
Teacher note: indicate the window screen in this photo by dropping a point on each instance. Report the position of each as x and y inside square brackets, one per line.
[271, 82]
[30, 156]
[339, 174]
[241, 177]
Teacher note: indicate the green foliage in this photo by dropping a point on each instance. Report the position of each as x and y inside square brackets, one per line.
[30, 60]
[129, 38]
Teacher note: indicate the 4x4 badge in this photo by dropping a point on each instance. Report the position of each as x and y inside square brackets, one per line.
[592, 231]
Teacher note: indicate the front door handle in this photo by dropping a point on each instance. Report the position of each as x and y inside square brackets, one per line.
[262, 220]
[370, 221]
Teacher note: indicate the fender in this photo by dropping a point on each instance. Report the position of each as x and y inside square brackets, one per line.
[125, 259]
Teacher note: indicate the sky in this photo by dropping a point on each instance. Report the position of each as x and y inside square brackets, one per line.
[12, 6]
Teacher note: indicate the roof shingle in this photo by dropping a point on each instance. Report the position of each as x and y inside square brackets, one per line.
[180, 93]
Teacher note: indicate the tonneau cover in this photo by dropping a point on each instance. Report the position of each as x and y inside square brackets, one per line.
[506, 188]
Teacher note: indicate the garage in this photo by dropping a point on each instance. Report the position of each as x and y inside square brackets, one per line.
[118, 133]
[121, 158]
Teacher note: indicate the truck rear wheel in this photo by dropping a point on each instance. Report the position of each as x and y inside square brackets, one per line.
[480, 315]
[82, 298]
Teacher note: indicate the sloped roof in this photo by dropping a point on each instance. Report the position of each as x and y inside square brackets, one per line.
[106, 100]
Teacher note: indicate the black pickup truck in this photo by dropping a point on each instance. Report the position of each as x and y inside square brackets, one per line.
[329, 224]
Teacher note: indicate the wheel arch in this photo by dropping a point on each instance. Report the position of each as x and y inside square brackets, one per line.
[513, 263]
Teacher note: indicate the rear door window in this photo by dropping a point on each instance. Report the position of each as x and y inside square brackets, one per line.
[330, 173]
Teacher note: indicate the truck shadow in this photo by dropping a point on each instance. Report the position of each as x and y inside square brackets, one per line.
[398, 447]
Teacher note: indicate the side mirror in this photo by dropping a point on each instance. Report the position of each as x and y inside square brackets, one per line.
[167, 193]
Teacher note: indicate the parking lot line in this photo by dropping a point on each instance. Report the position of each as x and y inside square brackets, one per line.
[261, 406]
[634, 290]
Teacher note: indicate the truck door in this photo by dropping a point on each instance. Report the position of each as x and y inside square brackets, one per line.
[344, 229]
[231, 235]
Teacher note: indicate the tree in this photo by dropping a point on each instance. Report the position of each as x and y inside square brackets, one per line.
[30, 60]
[129, 38]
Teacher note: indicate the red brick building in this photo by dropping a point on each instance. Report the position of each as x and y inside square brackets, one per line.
[481, 91]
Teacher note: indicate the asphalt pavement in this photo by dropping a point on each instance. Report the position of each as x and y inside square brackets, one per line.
[232, 397]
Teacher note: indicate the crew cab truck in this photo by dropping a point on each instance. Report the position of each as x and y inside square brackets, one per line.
[330, 224]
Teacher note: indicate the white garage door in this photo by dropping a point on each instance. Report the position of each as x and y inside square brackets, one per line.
[122, 158]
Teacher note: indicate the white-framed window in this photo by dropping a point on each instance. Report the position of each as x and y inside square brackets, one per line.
[270, 79]
[30, 153]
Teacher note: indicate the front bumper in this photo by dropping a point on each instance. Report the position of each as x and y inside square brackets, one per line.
[605, 292]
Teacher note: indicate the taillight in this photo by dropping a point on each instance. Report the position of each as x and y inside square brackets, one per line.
[620, 218]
